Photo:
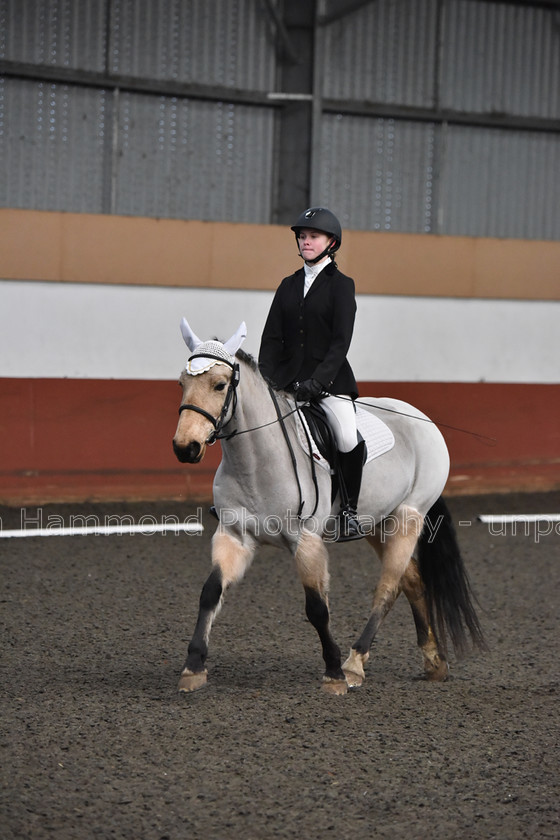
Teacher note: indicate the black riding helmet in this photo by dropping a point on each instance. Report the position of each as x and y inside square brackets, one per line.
[322, 220]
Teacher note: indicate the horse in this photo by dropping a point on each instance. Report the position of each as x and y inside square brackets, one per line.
[266, 491]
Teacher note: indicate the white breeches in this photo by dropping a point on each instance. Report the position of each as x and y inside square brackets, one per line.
[341, 414]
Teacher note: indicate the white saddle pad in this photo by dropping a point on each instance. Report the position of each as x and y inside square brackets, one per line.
[377, 435]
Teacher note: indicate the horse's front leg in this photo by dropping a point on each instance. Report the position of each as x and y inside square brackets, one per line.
[312, 565]
[394, 544]
[230, 560]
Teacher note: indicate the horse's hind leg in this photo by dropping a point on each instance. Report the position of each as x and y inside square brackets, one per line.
[312, 564]
[435, 663]
[230, 559]
[394, 543]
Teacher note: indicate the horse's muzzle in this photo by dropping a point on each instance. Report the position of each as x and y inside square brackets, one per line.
[190, 454]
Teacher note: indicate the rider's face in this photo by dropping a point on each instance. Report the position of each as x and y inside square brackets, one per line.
[312, 243]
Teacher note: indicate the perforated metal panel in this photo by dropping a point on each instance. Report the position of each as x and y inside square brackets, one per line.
[378, 174]
[213, 42]
[458, 56]
[63, 33]
[192, 159]
[77, 147]
[500, 58]
[80, 144]
[52, 146]
[501, 184]
[383, 52]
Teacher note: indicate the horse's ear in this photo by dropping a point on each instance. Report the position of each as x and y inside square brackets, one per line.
[233, 344]
[191, 340]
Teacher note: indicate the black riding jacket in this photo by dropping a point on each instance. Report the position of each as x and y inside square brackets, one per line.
[308, 337]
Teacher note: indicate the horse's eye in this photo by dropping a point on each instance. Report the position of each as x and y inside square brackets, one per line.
[220, 386]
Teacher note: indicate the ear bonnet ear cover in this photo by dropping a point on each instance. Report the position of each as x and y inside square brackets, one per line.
[199, 362]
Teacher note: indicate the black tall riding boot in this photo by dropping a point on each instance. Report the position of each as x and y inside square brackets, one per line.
[351, 466]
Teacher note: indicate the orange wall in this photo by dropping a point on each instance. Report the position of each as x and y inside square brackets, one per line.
[86, 248]
[106, 439]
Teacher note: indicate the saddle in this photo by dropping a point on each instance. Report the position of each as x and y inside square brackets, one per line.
[323, 437]
[317, 440]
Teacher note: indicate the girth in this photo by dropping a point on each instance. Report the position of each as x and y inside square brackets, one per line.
[323, 437]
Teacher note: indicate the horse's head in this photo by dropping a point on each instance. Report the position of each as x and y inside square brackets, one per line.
[208, 382]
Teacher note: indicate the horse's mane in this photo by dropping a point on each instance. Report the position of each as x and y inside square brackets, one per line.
[247, 359]
[253, 365]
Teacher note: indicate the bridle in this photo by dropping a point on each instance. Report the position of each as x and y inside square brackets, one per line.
[220, 422]
[231, 398]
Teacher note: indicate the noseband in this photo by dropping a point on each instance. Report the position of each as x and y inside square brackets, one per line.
[231, 396]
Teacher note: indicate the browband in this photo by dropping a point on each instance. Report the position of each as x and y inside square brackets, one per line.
[211, 356]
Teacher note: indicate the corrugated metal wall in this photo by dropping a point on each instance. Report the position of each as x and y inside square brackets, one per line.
[79, 147]
[214, 42]
[500, 58]
[60, 33]
[473, 57]
[500, 183]
[196, 160]
[383, 52]
[378, 173]
[53, 146]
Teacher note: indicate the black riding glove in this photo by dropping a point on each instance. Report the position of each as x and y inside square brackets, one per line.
[309, 389]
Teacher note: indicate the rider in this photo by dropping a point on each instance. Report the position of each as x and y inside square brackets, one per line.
[305, 341]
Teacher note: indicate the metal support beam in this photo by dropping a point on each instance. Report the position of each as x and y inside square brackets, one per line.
[283, 37]
[294, 136]
[134, 84]
[342, 9]
[440, 115]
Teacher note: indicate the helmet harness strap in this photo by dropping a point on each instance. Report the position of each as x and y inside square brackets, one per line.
[329, 251]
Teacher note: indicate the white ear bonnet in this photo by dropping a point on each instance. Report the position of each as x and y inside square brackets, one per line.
[206, 354]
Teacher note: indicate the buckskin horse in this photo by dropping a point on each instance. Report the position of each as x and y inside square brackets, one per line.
[267, 490]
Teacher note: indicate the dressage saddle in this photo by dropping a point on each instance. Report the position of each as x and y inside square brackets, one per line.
[323, 436]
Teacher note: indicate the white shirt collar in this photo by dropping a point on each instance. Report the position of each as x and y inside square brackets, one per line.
[311, 272]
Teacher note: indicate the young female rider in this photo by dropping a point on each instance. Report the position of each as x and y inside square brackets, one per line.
[305, 342]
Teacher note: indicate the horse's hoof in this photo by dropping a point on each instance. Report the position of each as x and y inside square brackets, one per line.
[354, 668]
[190, 681]
[333, 686]
[353, 679]
[436, 672]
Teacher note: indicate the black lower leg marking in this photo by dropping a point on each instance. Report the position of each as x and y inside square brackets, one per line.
[378, 613]
[365, 641]
[422, 628]
[317, 612]
[211, 591]
[209, 600]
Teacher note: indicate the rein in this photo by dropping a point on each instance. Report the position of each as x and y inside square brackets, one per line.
[280, 419]
[232, 395]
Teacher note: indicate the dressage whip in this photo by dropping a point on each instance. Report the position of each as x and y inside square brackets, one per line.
[485, 439]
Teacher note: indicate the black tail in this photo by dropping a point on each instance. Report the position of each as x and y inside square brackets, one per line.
[448, 590]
